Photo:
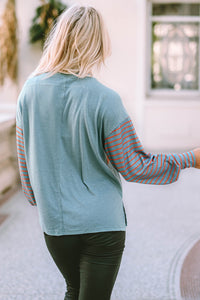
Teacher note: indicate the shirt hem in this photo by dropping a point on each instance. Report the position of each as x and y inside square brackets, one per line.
[56, 233]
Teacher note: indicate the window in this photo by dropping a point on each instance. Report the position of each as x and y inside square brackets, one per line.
[174, 47]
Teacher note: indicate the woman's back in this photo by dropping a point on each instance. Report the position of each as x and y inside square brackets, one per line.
[73, 137]
[68, 119]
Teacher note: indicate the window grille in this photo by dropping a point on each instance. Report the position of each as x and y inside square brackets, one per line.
[174, 47]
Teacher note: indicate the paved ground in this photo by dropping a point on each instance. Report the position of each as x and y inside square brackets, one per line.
[163, 225]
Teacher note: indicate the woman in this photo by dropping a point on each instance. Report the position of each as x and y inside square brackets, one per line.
[74, 136]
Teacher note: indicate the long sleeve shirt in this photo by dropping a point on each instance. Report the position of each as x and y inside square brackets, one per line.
[128, 156]
[74, 137]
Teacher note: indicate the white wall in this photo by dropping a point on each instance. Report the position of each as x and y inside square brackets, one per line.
[162, 125]
[172, 125]
[123, 71]
[29, 54]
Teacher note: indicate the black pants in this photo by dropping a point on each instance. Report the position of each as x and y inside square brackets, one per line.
[88, 262]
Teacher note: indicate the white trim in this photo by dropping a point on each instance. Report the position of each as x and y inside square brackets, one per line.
[175, 1]
[6, 117]
[4, 105]
[172, 102]
[195, 95]
[187, 19]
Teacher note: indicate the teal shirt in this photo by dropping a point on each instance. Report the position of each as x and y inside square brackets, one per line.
[74, 137]
[64, 121]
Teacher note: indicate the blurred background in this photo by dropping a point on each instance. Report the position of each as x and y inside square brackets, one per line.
[155, 67]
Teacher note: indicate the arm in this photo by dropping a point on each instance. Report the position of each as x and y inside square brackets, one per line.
[25, 181]
[126, 153]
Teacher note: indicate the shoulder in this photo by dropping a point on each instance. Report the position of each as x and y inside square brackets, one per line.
[29, 81]
[103, 89]
[104, 99]
[32, 79]
[101, 92]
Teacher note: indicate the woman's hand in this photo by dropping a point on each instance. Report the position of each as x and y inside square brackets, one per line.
[197, 156]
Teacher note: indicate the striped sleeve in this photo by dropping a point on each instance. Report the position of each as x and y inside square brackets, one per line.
[125, 152]
[26, 186]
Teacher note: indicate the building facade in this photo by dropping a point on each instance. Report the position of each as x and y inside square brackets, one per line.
[154, 66]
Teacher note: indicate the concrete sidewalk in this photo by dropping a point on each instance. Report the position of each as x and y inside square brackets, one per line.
[163, 225]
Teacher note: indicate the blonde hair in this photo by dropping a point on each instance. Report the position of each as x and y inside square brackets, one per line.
[78, 43]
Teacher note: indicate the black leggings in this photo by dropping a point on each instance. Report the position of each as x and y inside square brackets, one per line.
[88, 262]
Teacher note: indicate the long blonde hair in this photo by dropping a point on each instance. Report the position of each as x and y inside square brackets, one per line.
[78, 43]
